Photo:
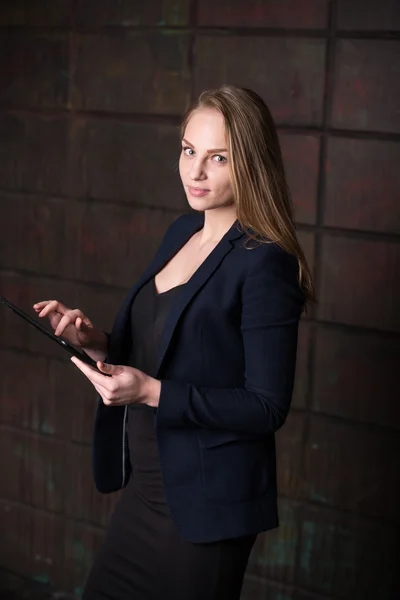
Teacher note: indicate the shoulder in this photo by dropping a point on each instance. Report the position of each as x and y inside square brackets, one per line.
[266, 256]
[272, 274]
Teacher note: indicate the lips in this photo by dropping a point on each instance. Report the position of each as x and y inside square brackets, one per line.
[196, 191]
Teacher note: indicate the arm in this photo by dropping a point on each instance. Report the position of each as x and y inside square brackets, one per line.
[272, 304]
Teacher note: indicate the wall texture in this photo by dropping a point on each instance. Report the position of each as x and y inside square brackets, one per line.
[90, 99]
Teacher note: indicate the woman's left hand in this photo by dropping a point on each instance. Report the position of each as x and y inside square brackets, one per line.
[126, 385]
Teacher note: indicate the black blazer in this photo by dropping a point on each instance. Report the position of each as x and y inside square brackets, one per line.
[226, 364]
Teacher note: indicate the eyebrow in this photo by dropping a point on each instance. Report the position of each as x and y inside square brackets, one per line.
[209, 151]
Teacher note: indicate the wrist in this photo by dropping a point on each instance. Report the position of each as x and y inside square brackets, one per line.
[151, 391]
[98, 348]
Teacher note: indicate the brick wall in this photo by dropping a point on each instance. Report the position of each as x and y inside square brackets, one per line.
[90, 99]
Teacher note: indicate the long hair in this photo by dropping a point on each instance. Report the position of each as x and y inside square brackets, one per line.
[263, 202]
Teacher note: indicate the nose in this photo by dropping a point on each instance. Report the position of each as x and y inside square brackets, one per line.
[197, 172]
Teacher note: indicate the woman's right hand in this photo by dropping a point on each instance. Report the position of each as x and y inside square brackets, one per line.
[74, 327]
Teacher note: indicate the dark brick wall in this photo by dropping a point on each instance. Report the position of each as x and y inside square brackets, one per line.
[90, 99]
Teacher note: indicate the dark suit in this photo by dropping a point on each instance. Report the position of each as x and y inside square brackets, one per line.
[226, 364]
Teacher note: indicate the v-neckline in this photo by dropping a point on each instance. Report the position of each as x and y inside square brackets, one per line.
[158, 294]
[199, 226]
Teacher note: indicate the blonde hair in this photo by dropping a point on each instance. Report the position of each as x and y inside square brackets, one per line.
[264, 206]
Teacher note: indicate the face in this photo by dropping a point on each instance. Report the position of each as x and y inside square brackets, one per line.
[204, 162]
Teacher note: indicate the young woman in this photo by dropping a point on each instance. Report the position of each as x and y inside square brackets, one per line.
[202, 360]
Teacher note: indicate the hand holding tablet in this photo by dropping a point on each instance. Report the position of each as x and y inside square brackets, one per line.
[73, 325]
[76, 329]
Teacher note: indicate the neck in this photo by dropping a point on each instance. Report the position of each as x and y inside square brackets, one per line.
[216, 224]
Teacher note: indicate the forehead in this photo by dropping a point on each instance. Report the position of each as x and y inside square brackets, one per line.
[206, 125]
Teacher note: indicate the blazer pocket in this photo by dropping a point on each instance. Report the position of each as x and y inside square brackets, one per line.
[233, 467]
[211, 439]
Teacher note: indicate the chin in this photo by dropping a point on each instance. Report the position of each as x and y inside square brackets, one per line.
[203, 204]
[199, 204]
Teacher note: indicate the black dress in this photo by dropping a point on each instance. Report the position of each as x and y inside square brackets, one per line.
[143, 556]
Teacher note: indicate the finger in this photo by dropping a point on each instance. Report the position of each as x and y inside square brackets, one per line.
[53, 306]
[102, 393]
[80, 323]
[110, 369]
[83, 324]
[85, 368]
[63, 324]
[95, 377]
[100, 389]
[41, 304]
[68, 319]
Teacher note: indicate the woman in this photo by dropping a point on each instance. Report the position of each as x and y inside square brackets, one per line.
[202, 359]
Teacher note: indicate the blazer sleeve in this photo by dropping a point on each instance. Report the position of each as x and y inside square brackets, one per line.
[272, 303]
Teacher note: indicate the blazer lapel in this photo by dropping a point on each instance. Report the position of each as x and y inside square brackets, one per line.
[195, 283]
[120, 338]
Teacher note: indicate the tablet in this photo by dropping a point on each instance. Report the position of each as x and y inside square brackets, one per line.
[49, 334]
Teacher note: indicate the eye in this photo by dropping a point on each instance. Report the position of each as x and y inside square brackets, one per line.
[221, 159]
[188, 151]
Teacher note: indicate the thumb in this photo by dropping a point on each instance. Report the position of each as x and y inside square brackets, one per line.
[109, 369]
[81, 326]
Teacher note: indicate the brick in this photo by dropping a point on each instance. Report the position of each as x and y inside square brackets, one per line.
[40, 225]
[307, 243]
[33, 154]
[301, 156]
[308, 14]
[32, 542]
[296, 94]
[353, 468]
[302, 378]
[136, 163]
[34, 70]
[354, 274]
[373, 15]
[78, 397]
[289, 443]
[81, 546]
[99, 258]
[32, 401]
[348, 557]
[17, 13]
[15, 586]
[99, 303]
[255, 588]
[362, 185]
[52, 398]
[367, 86]
[355, 376]
[302, 595]
[83, 501]
[34, 470]
[274, 553]
[132, 14]
[144, 72]
[78, 239]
